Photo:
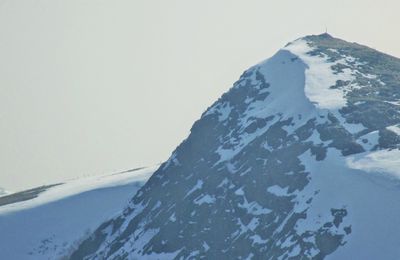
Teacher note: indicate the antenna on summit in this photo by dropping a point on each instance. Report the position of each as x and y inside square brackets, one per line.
[326, 30]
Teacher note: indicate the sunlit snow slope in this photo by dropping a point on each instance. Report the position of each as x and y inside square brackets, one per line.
[298, 160]
[53, 223]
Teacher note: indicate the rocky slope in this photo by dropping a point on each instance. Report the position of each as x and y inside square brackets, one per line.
[298, 160]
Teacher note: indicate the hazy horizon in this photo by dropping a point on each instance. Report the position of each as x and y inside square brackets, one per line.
[90, 87]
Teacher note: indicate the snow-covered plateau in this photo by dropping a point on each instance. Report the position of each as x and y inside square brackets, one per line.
[52, 224]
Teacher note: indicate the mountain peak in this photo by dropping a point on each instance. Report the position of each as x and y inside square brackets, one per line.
[299, 159]
[325, 36]
[315, 39]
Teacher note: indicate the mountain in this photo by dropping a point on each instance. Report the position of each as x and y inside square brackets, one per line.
[298, 160]
[49, 221]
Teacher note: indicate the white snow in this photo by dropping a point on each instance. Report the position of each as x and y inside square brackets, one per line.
[296, 250]
[81, 185]
[257, 239]
[197, 186]
[286, 79]
[370, 198]
[396, 103]
[206, 246]
[48, 226]
[254, 208]
[239, 192]
[299, 89]
[254, 222]
[394, 128]
[224, 182]
[208, 199]
[351, 128]
[371, 138]
[278, 191]
[288, 242]
[383, 161]
[320, 77]
[172, 217]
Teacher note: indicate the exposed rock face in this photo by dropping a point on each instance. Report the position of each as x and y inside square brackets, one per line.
[296, 161]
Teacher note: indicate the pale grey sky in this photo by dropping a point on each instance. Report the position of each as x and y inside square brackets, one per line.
[94, 86]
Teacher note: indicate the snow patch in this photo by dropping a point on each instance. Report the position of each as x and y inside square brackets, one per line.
[278, 191]
[197, 186]
[384, 161]
[206, 246]
[369, 141]
[204, 199]
[254, 208]
[239, 192]
[320, 77]
[394, 128]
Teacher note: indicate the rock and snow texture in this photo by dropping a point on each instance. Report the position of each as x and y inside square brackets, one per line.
[52, 224]
[298, 160]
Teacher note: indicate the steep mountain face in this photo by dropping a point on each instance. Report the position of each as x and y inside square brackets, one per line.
[50, 221]
[298, 160]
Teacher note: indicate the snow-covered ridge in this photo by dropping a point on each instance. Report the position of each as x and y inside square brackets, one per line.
[80, 185]
[320, 77]
[50, 225]
[295, 82]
